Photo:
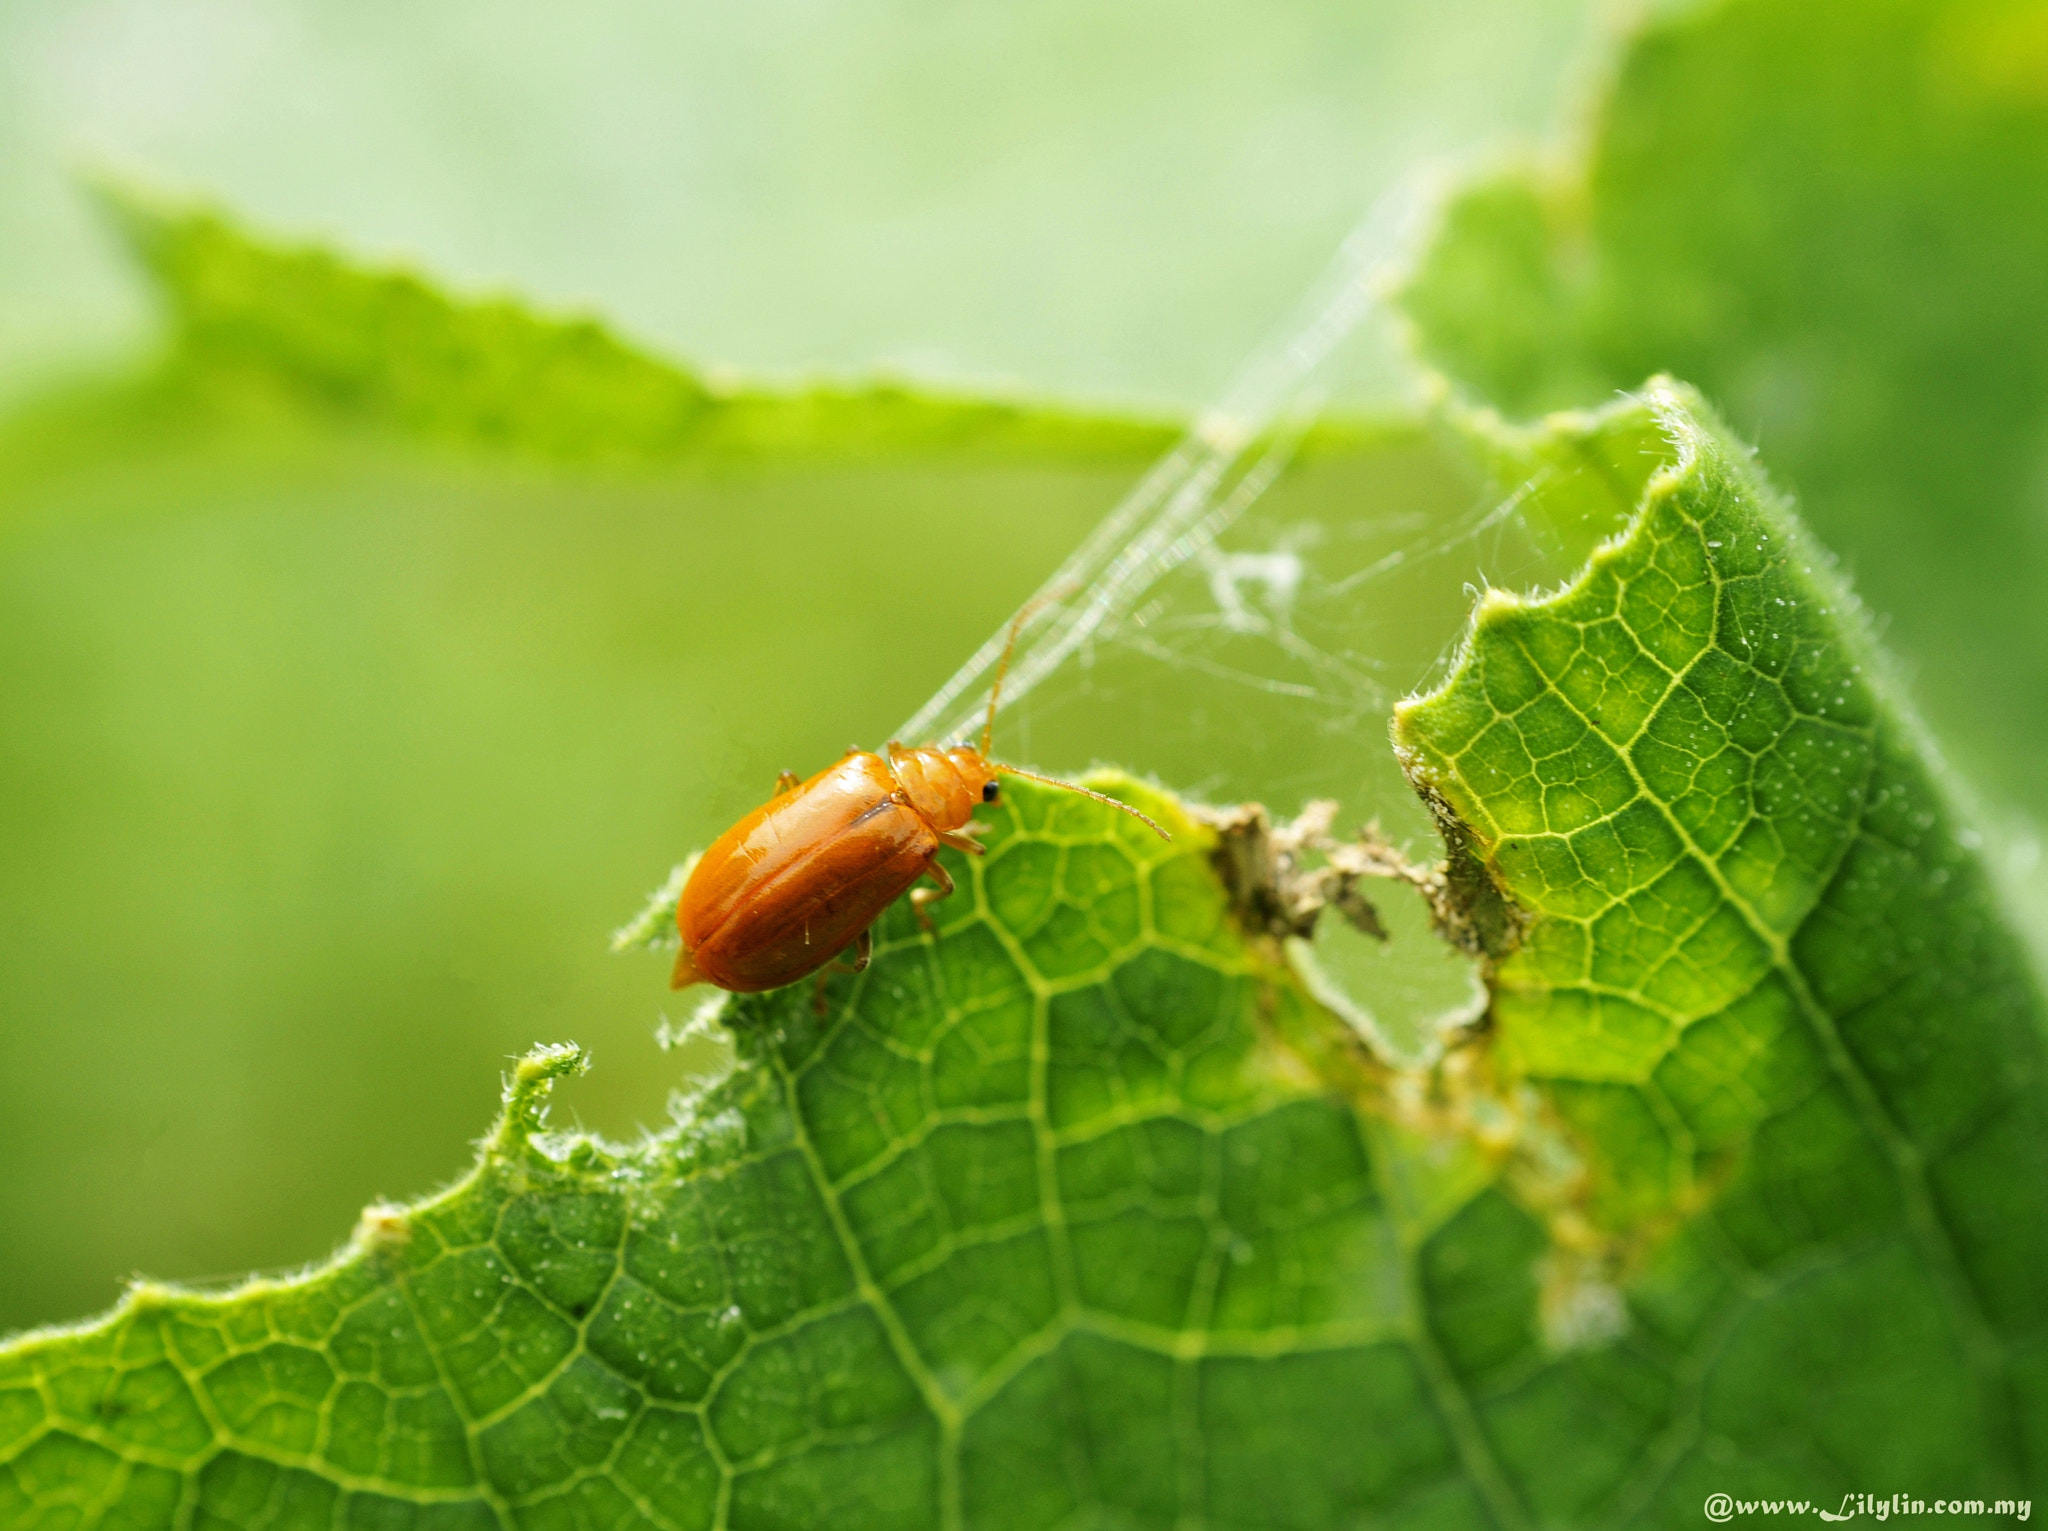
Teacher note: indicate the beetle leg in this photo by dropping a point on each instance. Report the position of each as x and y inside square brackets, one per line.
[960, 840]
[863, 948]
[787, 781]
[919, 897]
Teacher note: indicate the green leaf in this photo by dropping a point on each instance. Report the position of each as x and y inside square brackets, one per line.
[1827, 217]
[388, 346]
[1768, 999]
[1078, 1211]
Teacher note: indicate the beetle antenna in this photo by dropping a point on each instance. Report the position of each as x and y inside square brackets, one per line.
[1100, 797]
[1030, 609]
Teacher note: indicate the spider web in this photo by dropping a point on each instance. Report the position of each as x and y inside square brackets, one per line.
[1243, 621]
[1280, 577]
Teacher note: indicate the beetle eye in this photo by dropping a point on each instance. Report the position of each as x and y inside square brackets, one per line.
[988, 792]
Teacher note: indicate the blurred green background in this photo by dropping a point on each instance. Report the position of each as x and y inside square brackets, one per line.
[332, 745]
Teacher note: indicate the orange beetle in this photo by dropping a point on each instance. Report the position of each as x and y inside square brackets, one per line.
[802, 877]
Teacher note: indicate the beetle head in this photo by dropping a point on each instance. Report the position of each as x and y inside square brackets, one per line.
[976, 770]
